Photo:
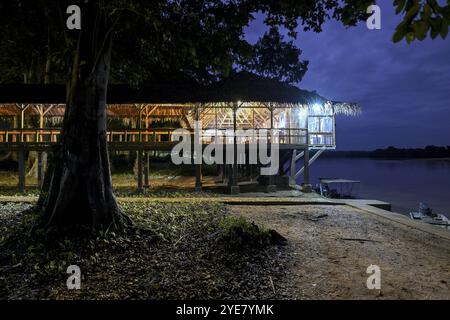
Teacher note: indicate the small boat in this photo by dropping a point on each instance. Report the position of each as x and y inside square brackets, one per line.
[427, 215]
[343, 188]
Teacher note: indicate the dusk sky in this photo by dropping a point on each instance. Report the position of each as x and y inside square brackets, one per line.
[404, 90]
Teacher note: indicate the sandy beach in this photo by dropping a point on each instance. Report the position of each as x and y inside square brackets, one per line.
[330, 248]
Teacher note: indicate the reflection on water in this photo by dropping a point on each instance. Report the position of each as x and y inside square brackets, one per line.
[403, 183]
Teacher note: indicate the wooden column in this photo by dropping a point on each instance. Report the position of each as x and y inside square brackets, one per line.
[230, 176]
[22, 123]
[220, 172]
[139, 120]
[198, 177]
[292, 168]
[198, 167]
[306, 182]
[139, 174]
[234, 189]
[140, 184]
[21, 160]
[147, 153]
[40, 175]
[22, 109]
[147, 169]
[225, 175]
[271, 187]
[250, 171]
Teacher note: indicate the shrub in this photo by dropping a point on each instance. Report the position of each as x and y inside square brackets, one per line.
[238, 233]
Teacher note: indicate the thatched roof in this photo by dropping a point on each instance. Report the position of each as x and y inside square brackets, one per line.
[241, 86]
[245, 86]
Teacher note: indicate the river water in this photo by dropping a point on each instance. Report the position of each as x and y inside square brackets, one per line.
[403, 183]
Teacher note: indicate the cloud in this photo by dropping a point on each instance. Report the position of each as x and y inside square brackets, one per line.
[404, 89]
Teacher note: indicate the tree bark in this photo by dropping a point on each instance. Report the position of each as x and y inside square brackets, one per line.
[79, 191]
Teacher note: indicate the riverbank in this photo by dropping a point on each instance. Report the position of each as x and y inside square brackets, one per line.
[330, 248]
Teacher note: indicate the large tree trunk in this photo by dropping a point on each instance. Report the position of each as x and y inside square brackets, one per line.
[79, 188]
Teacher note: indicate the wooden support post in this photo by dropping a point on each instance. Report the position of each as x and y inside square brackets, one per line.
[220, 172]
[22, 119]
[230, 177]
[306, 182]
[293, 171]
[271, 118]
[147, 169]
[198, 177]
[22, 124]
[225, 174]
[40, 137]
[234, 189]
[40, 175]
[271, 187]
[21, 160]
[139, 175]
[195, 154]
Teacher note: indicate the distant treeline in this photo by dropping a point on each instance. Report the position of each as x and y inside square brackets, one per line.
[394, 153]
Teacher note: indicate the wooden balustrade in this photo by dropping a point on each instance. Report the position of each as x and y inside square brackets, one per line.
[163, 135]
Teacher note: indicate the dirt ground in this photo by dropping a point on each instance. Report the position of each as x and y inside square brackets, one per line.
[327, 261]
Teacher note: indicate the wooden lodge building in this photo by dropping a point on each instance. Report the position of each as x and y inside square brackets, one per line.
[32, 114]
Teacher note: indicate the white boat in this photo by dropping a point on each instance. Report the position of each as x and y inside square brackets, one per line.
[425, 214]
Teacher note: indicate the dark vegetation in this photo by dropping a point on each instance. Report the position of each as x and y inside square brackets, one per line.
[174, 251]
[238, 233]
[428, 152]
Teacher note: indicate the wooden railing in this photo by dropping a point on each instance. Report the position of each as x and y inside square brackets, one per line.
[155, 136]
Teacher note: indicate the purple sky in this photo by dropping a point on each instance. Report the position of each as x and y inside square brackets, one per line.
[404, 90]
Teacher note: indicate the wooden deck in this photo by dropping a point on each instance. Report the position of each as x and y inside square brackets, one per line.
[145, 140]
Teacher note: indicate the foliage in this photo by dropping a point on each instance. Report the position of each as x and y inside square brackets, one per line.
[201, 40]
[275, 58]
[422, 18]
[164, 40]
